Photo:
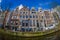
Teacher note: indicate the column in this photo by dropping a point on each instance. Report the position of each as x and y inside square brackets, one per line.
[32, 23]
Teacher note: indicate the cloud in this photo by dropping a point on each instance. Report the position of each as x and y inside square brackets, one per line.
[20, 6]
[0, 1]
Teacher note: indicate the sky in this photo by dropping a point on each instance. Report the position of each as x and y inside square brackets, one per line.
[44, 4]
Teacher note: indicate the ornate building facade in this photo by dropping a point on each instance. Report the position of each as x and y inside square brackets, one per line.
[27, 19]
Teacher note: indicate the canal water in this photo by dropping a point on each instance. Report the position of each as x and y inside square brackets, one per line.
[52, 36]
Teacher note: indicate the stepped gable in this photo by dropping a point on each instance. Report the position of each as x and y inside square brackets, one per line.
[24, 9]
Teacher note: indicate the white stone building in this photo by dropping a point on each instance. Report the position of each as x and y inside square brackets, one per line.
[27, 19]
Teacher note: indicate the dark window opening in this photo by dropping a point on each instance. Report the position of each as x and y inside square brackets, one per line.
[26, 24]
[37, 24]
[45, 25]
[22, 24]
[16, 23]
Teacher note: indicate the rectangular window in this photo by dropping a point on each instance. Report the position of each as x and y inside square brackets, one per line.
[33, 16]
[20, 12]
[21, 16]
[22, 24]
[37, 24]
[26, 16]
[34, 22]
[26, 24]
[30, 22]
[36, 16]
[23, 12]
[30, 16]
